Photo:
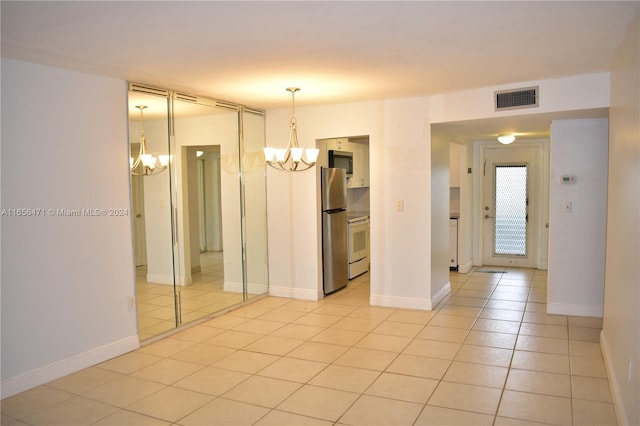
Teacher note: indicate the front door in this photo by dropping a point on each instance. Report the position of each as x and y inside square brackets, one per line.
[510, 206]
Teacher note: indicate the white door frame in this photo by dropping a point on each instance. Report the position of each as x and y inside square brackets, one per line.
[541, 231]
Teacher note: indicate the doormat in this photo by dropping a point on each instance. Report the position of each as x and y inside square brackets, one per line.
[490, 271]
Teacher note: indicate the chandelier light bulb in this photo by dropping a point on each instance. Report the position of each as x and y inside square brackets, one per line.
[291, 158]
[146, 164]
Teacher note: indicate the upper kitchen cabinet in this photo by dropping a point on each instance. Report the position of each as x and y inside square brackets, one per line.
[356, 145]
[360, 148]
[339, 144]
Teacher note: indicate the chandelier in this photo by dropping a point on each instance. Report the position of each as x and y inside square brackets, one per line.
[146, 164]
[291, 158]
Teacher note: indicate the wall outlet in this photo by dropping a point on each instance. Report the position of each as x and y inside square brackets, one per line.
[131, 304]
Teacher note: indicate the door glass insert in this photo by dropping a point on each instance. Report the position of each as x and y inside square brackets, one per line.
[510, 236]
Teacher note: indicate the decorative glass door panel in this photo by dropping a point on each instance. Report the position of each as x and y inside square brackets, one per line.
[510, 234]
[511, 206]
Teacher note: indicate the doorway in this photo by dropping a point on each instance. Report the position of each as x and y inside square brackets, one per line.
[511, 206]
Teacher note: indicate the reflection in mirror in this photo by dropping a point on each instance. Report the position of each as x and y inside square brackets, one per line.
[255, 199]
[209, 252]
[152, 222]
[209, 211]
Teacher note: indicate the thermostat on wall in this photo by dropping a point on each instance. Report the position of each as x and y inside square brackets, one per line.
[567, 179]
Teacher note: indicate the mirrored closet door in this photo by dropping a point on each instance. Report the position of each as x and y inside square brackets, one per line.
[211, 241]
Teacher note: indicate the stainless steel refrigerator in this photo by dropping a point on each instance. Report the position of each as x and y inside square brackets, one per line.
[335, 259]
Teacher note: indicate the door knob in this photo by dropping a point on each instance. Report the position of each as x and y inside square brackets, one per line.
[486, 216]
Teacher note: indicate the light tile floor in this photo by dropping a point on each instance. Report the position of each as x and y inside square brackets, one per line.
[203, 297]
[489, 354]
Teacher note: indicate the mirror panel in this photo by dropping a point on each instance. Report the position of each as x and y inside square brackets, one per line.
[200, 228]
[208, 209]
[152, 218]
[255, 203]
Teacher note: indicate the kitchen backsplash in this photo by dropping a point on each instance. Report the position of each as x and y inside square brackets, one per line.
[358, 200]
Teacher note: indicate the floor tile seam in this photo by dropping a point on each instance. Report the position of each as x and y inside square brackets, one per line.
[450, 362]
[93, 399]
[570, 397]
[70, 396]
[428, 404]
[476, 384]
[509, 367]
[335, 422]
[379, 373]
[222, 395]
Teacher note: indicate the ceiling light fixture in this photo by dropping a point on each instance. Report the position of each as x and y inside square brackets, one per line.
[290, 158]
[146, 164]
[506, 139]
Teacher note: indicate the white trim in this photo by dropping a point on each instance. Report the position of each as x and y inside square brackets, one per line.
[464, 269]
[253, 288]
[614, 386]
[575, 310]
[41, 375]
[542, 149]
[400, 302]
[294, 293]
[168, 279]
[160, 279]
[441, 294]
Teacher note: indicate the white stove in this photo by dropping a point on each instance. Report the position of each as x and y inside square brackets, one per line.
[358, 246]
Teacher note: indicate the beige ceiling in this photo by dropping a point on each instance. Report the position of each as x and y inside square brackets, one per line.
[342, 51]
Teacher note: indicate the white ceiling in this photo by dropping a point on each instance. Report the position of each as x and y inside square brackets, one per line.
[335, 51]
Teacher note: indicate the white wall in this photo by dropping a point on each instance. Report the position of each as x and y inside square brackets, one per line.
[575, 284]
[620, 338]
[293, 198]
[66, 281]
[400, 170]
[405, 176]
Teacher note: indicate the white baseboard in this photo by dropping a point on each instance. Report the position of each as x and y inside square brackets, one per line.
[614, 386]
[42, 375]
[441, 294]
[168, 279]
[252, 288]
[464, 269]
[575, 310]
[400, 302]
[160, 279]
[294, 293]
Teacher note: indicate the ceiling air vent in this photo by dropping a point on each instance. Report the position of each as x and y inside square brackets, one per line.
[519, 98]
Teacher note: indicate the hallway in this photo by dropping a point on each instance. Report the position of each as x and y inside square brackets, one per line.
[487, 355]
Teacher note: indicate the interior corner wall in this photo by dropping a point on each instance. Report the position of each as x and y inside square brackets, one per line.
[67, 275]
[577, 217]
[620, 339]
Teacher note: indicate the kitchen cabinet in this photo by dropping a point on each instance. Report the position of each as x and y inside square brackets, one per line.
[360, 177]
[360, 150]
[453, 244]
[338, 144]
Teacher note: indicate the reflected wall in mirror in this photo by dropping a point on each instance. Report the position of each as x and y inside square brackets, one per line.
[199, 229]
